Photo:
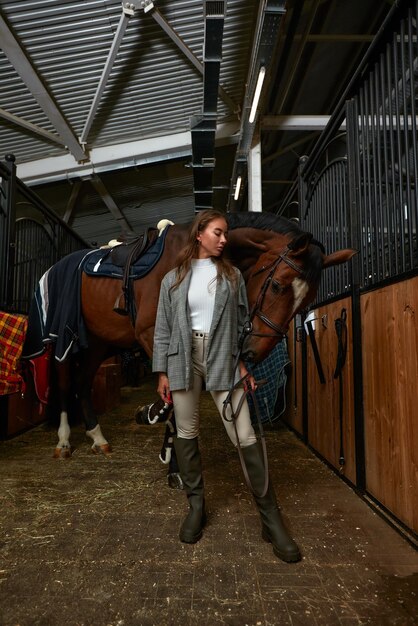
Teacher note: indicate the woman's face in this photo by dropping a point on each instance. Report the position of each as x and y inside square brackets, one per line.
[212, 240]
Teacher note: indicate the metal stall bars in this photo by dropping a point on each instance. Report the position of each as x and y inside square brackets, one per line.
[382, 147]
[7, 231]
[323, 212]
[32, 239]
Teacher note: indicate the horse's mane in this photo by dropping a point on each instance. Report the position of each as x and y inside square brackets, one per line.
[312, 265]
[263, 221]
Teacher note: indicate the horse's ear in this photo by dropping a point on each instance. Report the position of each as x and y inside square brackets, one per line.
[300, 244]
[336, 258]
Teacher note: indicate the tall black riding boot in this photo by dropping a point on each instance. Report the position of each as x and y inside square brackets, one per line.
[273, 529]
[190, 464]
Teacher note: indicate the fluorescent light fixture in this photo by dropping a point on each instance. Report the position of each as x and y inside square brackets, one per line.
[257, 94]
[237, 187]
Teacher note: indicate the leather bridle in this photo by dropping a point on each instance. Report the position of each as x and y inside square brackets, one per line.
[256, 310]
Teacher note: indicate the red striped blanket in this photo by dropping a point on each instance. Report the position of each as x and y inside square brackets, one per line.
[12, 335]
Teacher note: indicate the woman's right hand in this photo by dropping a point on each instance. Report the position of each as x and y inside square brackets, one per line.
[163, 388]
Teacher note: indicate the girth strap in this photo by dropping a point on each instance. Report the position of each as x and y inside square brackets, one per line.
[123, 301]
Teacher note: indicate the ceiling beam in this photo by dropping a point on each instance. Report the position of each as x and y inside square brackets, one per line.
[101, 189]
[295, 122]
[119, 156]
[26, 71]
[277, 182]
[335, 38]
[37, 130]
[69, 210]
[123, 23]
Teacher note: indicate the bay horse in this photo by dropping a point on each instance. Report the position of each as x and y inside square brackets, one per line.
[281, 265]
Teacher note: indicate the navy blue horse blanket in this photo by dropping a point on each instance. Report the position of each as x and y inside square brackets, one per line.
[273, 370]
[55, 312]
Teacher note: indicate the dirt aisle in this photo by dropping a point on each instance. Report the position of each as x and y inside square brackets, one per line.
[93, 541]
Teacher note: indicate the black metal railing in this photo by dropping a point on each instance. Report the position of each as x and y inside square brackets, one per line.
[383, 148]
[32, 238]
[368, 200]
[7, 224]
[323, 212]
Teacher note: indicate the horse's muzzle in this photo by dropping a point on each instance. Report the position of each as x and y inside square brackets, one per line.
[248, 355]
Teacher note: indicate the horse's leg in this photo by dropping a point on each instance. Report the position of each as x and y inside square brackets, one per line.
[63, 381]
[89, 363]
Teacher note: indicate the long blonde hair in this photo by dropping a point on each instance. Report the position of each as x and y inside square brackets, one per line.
[190, 251]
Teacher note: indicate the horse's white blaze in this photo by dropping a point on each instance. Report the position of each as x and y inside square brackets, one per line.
[300, 289]
[63, 431]
[96, 435]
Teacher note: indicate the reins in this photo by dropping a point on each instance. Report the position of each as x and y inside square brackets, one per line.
[235, 414]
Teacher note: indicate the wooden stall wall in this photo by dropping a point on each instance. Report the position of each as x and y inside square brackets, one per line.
[390, 377]
[324, 428]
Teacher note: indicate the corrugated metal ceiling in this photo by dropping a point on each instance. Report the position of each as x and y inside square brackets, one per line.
[152, 90]
[139, 141]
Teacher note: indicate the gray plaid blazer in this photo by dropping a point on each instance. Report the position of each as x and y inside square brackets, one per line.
[173, 334]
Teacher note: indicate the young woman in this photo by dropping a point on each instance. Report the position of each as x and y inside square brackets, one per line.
[201, 312]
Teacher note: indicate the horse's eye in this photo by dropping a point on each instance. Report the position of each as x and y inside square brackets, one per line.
[276, 286]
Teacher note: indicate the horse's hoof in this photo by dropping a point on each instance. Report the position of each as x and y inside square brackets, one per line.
[174, 481]
[62, 453]
[103, 449]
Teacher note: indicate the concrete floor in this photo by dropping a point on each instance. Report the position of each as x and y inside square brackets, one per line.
[93, 540]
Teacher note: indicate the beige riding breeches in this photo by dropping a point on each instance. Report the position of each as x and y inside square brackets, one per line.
[186, 403]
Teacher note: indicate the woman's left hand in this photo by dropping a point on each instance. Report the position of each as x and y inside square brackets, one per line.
[249, 383]
[249, 380]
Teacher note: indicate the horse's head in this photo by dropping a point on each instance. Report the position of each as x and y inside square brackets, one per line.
[282, 283]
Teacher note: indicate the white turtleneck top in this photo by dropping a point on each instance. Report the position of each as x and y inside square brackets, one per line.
[202, 291]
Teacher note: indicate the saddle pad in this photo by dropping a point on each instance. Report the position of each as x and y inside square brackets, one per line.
[99, 263]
